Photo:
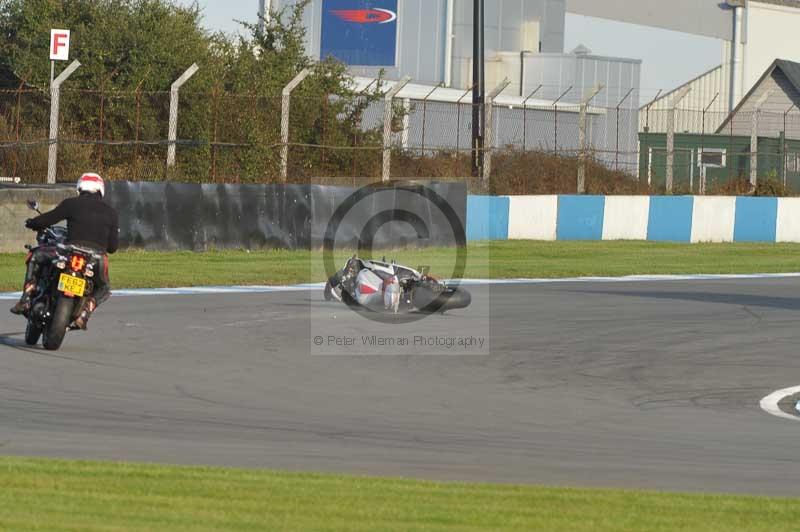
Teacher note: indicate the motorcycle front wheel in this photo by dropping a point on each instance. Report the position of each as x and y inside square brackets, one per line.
[32, 332]
[57, 328]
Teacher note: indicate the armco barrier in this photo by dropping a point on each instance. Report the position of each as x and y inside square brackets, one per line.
[580, 217]
[532, 217]
[670, 219]
[657, 218]
[626, 217]
[487, 218]
[713, 219]
[175, 216]
[787, 227]
[756, 220]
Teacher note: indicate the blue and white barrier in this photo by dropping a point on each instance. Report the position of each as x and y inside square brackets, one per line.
[656, 218]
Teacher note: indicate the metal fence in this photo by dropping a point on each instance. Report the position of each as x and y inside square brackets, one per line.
[695, 150]
[293, 136]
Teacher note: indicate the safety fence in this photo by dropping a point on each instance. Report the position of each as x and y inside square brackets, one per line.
[382, 131]
[702, 152]
[199, 217]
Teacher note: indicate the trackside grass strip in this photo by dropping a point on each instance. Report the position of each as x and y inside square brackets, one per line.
[514, 259]
[58, 495]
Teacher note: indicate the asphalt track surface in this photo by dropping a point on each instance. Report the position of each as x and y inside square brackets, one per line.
[650, 385]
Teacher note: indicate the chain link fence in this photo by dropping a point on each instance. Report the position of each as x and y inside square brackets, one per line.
[535, 147]
[722, 153]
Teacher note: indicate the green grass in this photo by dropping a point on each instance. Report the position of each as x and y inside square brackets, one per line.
[58, 495]
[136, 269]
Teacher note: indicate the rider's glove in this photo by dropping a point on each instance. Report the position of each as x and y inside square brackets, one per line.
[29, 223]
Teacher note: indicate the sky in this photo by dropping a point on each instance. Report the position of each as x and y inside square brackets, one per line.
[669, 58]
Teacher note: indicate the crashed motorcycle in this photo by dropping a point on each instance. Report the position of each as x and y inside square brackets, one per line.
[64, 283]
[392, 288]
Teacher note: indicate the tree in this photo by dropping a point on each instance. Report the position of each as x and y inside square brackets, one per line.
[132, 50]
[120, 43]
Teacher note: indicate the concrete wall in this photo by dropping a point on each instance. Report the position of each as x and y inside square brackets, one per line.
[14, 212]
[689, 219]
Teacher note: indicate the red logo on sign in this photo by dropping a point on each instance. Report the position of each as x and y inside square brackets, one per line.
[366, 16]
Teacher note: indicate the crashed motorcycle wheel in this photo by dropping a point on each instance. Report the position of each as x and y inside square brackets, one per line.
[434, 299]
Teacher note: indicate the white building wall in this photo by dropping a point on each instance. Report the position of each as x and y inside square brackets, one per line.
[771, 32]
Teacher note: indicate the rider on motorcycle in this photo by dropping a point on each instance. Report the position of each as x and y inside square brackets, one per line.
[91, 223]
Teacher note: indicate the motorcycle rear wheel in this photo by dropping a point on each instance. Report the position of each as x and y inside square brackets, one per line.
[427, 300]
[57, 328]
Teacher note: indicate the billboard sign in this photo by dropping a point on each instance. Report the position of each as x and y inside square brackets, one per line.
[59, 45]
[360, 32]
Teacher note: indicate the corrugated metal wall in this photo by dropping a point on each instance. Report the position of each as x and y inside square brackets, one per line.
[689, 115]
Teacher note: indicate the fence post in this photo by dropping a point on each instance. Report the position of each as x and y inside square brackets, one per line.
[785, 144]
[647, 137]
[555, 119]
[55, 95]
[173, 112]
[458, 120]
[425, 113]
[388, 113]
[525, 118]
[703, 146]
[489, 144]
[286, 99]
[582, 143]
[670, 178]
[754, 139]
[619, 105]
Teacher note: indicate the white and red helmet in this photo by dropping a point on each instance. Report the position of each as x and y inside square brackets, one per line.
[91, 183]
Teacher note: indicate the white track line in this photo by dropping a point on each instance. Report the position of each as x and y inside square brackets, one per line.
[769, 404]
[205, 290]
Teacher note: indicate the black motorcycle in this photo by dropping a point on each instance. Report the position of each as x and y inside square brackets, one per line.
[64, 283]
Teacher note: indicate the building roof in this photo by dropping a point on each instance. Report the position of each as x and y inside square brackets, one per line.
[419, 92]
[670, 94]
[790, 69]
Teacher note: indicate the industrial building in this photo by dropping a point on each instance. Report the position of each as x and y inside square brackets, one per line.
[763, 130]
[774, 99]
[754, 34]
[431, 42]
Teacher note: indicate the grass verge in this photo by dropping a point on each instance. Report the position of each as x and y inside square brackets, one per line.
[54, 495]
[512, 259]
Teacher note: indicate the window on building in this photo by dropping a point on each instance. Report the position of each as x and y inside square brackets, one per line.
[712, 157]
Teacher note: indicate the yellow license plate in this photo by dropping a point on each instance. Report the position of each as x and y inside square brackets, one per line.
[73, 285]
